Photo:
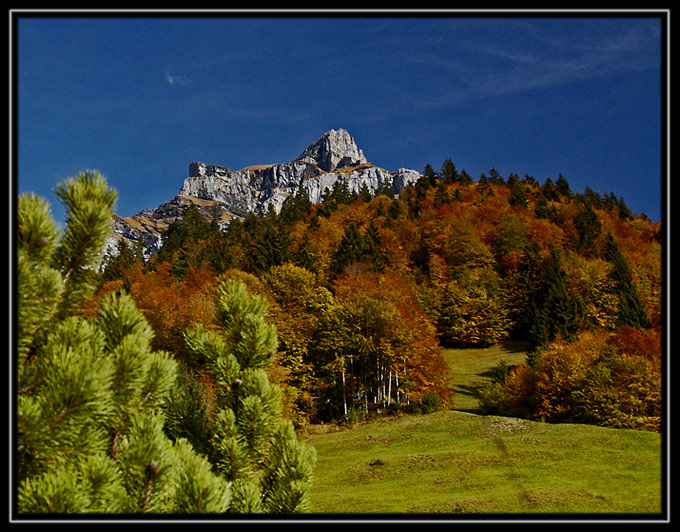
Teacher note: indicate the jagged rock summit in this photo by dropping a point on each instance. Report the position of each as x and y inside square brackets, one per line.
[335, 149]
[334, 157]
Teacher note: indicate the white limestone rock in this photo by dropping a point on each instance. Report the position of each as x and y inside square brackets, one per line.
[335, 149]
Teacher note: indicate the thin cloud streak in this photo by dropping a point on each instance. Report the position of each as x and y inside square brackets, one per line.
[177, 80]
[498, 71]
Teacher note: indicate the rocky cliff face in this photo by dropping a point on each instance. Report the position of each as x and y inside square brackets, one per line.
[335, 149]
[234, 193]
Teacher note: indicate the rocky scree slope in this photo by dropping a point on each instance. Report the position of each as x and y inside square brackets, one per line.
[234, 193]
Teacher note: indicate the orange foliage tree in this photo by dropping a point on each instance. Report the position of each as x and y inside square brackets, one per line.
[608, 379]
[406, 355]
[170, 305]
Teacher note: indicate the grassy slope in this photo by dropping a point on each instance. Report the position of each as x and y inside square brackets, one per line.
[468, 368]
[456, 462]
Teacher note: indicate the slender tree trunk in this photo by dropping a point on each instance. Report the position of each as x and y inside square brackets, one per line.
[389, 388]
[406, 393]
[344, 396]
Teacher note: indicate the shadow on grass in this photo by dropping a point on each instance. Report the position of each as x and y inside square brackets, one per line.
[462, 389]
[498, 372]
[470, 391]
[499, 360]
[514, 346]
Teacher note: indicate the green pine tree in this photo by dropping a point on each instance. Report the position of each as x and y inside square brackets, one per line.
[484, 185]
[517, 196]
[541, 210]
[631, 310]
[441, 195]
[340, 192]
[126, 256]
[394, 210]
[429, 176]
[296, 206]
[373, 251]
[624, 212]
[304, 256]
[464, 178]
[549, 190]
[90, 392]
[563, 187]
[365, 193]
[495, 177]
[252, 446]
[449, 172]
[588, 226]
[272, 245]
[554, 310]
[351, 248]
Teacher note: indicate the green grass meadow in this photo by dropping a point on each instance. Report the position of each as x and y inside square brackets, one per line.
[468, 368]
[457, 462]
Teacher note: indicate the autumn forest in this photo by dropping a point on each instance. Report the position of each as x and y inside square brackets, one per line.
[366, 289]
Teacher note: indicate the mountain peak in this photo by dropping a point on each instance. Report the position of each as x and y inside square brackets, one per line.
[336, 148]
[234, 193]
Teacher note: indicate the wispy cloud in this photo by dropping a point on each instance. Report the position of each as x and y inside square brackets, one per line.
[173, 80]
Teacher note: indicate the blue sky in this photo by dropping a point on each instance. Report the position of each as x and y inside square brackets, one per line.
[139, 98]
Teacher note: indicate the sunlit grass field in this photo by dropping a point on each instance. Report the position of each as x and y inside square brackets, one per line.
[468, 368]
[457, 462]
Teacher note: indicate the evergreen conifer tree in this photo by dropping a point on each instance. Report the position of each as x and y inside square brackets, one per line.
[549, 190]
[512, 180]
[365, 193]
[372, 248]
[484, 185]
[631, 311]
[340, 192]
[529, 180]
[517, 196]
[441, 195]
[541, 211]
[495, 177]
[624, 212]
[296, 207]
[464, 178]
[252, 445]
[90, 392]
[126, 256]
[554, 310]
[588, 226]
[304, 256]
[449, 172]
[351, 248]
[429, 175]
[272, 245]
[394, 210]
[563, 186]
[528, 278]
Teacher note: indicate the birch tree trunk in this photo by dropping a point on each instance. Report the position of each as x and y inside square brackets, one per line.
[389, 388]
[344, 395]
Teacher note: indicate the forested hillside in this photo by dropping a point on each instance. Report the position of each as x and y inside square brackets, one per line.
[364, 290]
